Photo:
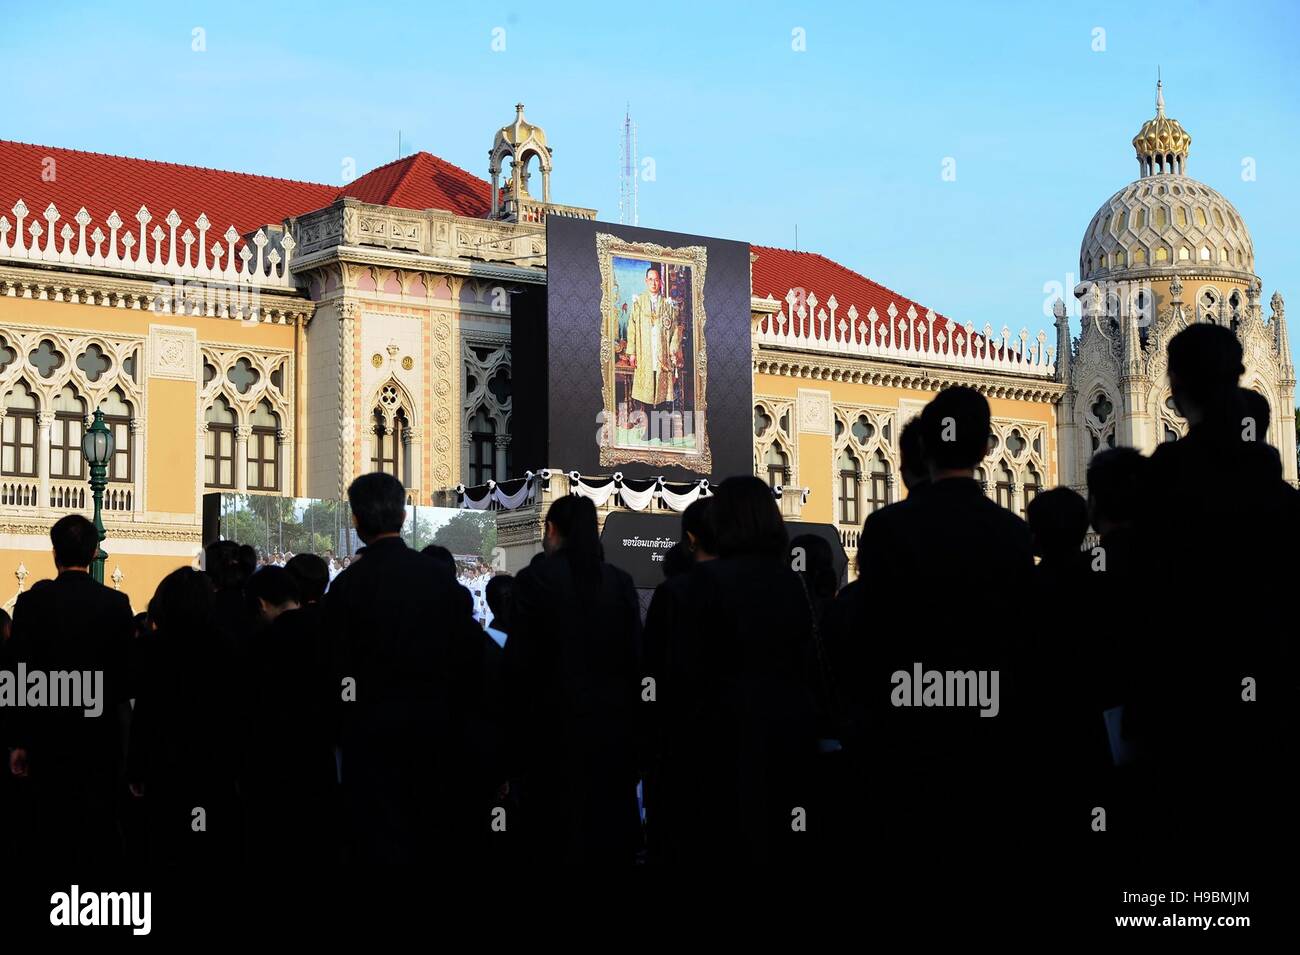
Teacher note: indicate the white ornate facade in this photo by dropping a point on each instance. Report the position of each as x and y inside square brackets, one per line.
[1163, 252]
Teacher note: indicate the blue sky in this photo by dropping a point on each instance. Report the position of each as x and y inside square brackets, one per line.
[749, 137]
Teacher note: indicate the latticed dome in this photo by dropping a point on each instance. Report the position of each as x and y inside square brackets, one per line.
[1164, 220]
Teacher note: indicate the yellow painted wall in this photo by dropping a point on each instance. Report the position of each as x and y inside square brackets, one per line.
[140, 573]
[172, 429]
[816, 468]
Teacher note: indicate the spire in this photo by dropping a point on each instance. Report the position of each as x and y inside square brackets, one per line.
[1162, 143]
[1063, 349]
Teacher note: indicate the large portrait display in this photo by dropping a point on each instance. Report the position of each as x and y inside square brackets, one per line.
[653, 350]
[642, 363]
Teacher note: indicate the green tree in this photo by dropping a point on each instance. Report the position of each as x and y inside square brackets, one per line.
[469, 532]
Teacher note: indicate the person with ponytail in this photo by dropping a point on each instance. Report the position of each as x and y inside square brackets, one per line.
[572, 684]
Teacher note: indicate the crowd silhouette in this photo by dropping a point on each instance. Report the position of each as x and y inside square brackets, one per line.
[761, 713]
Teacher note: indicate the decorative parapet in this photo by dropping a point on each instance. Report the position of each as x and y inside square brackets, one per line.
[261, 260]
[924, 340]
[530, 210]
[427, 232]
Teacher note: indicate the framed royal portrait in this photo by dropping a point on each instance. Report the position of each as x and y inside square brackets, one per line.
[654, 361]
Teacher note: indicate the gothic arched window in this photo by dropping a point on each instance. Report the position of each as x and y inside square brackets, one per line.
[117, 416]
[219, 444]
[66, 461]
[483, 436]
[1033, 484]
[1002, 484]
[879, 482]
[18, 438]
[778, 466]
[850, 477]
[386, 442]
[263, 449]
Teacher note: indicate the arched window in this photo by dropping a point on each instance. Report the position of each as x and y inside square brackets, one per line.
[1224, 257]
[850, 477]
[18, 439]
[1140, 218]
[1162, 254]
[66, 462]
[1184, 254]
[117, 415]
[386, 442]
[1139, 256]
[219, 444]
[1162, 217]
[1033, 484]
[1003, 484]
[1200, 217]
[483, 437]
[778, 466]
[879, 482]
[263, 449]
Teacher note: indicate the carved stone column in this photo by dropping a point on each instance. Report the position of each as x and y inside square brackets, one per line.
[502, 442]
[136, 428]
[413, 441]
[242, 434]
[284, 461]
[44, 422]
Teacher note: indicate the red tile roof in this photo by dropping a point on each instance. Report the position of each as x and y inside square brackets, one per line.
[423, 181]
[71, 178]
[777, 271]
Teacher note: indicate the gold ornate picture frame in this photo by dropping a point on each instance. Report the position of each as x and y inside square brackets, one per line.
[696, 457]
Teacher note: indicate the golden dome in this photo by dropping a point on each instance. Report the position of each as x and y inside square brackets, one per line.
[521, 131]
[1162, 140]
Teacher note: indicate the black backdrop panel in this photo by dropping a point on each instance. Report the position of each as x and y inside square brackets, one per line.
[718, 396]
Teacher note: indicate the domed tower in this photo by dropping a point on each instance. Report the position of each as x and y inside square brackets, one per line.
[522, 141]
[1161, 253]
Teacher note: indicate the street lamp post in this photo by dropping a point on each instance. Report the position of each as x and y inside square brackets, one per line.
[97, 449]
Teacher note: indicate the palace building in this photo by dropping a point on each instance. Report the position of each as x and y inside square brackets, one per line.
[254, 335]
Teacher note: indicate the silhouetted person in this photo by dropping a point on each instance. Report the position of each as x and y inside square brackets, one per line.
[1218, 539]
[1058, 523]
[228, 566]
[697, 544]
[1116, 483]
[677, 560]
[734, 699]
[445, 563]
[912, 466]
[500, 595]
[72, 752]
[183, 756]
[410, 663]
[573, 693]
[311, 574]
[1257, 418]
[1061, 695]
[941, 561]
[289, 780]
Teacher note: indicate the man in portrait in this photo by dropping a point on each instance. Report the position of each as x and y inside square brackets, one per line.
[654, 342]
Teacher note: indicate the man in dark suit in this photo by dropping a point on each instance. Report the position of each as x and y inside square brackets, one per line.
[944, 563]
[73, 752]
[1218, 539]
[410, 674]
